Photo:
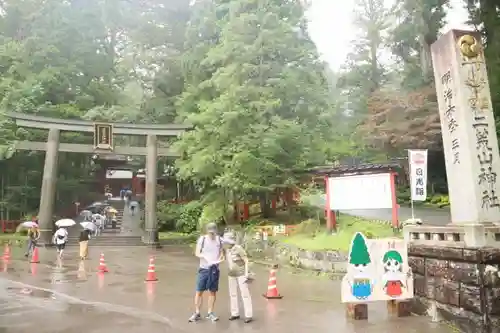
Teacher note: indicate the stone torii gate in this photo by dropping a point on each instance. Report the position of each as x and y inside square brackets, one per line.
[103, 144]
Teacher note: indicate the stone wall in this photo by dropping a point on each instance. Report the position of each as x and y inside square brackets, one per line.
[320, 261]
[461, 285]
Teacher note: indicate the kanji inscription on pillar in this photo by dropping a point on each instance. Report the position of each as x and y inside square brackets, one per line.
[468, 127]
[103, 136]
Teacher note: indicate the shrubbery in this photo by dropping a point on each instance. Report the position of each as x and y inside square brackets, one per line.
[179, 217]
[438, 200]
[308, 227]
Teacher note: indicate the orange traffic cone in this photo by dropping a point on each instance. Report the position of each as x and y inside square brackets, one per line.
[6, 252]
[5, 266]
[34, 256]
[272, 289]
[151, 275]
[102, 265]
[150, 291]
[100, 280]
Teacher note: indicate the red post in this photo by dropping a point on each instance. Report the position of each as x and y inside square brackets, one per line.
[273, 204]
[235, 211]
[331, 220]
[296, 196]
[395, 206]
[246, 211]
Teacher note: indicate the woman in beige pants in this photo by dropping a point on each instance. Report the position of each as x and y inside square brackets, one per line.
[84, 244]
[238, 278]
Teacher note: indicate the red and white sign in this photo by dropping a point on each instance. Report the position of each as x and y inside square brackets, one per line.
[418, 174]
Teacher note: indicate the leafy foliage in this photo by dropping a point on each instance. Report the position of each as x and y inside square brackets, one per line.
[245, 73]
[189, 217]
[402, 120]
[256, 94]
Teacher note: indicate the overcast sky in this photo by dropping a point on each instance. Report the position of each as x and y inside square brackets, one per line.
[332, 29]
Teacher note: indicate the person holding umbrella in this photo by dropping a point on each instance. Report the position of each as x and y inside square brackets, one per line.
[33, 236]
[86, 214]
[60, 238]
[133, 207]
[84, 243]
[98, 220]
[110, 215]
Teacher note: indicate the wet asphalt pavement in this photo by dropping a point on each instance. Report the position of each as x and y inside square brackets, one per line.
[428, 215]
[68, 296]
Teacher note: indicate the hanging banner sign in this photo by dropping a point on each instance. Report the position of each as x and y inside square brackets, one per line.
[103, 136]
[418, 174]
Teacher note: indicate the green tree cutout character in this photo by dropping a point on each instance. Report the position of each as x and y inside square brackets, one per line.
[359, 251]
[359, 258]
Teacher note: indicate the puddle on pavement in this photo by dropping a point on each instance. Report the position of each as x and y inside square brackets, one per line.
[31, 292]
[115, 284]
[74, 309]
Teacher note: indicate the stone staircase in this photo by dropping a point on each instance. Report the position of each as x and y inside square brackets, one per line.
[119, 236]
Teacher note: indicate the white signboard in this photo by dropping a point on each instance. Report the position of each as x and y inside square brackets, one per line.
[360, 192]
[279, 229]
[119, 174]
[377, 271]
[418, 174]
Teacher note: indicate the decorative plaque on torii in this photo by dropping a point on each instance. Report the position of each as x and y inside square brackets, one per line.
[103, 136]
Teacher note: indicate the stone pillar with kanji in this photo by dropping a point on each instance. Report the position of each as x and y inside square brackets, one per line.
[468, 130]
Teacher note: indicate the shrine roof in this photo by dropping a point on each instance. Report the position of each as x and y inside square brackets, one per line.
[353, 169]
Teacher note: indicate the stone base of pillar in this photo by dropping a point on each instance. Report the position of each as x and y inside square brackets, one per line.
[45, 239]
[151, 238]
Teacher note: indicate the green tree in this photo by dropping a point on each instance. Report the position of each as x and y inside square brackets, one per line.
[359, 254]
[80, 59]
[364, 72]
[256, 99]
[483, 14]
[418, 26]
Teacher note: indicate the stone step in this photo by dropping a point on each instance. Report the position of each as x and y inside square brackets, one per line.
[110, 241]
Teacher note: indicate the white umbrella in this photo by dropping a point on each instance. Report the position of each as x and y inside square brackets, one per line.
[85, 212]
[29, 224]
[65, 223]
[88, 225]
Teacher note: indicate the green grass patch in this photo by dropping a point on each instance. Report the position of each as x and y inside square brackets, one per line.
[346, 228]
[15, 236]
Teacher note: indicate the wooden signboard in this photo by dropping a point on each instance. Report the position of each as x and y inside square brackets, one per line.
[377, 271]
[103, 136]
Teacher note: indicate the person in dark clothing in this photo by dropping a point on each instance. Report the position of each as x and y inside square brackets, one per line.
[128, 194]
[84, 243]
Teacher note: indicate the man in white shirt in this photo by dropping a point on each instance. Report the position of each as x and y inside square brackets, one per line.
[60, 238]
[210, 251]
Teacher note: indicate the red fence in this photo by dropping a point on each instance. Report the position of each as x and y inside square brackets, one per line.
[9, 225]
